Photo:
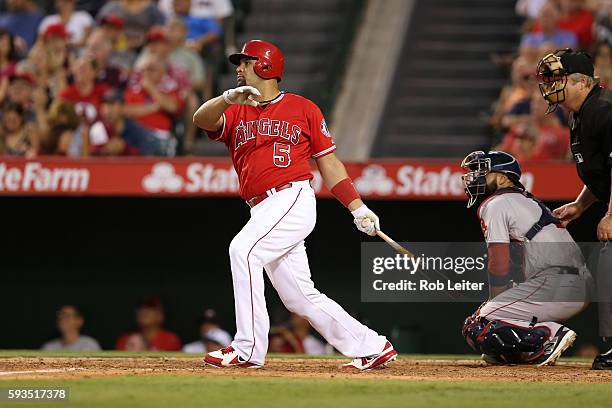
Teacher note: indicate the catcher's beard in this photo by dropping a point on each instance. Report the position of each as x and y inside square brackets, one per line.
[491, 187]
[241, 82]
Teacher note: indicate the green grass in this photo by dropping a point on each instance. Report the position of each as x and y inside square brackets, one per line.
[226, 392]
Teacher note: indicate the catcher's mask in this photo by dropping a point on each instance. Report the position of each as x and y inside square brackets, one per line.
[553, 71]
[478, 164]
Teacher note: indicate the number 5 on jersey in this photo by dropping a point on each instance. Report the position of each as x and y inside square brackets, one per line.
[282, 157]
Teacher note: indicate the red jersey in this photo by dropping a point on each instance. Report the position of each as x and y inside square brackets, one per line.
[85, 105]
[163, 341]
[160, 119]
[270, 145]
[579, 23]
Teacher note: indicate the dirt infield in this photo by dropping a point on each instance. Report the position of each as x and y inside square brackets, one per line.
[12, 368]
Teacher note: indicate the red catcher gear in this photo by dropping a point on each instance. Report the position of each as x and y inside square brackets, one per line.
[270, 59]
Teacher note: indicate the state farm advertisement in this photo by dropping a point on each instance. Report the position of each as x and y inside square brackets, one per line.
[375, 179]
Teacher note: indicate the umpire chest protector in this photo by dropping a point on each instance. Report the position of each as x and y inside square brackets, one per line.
[591, 142]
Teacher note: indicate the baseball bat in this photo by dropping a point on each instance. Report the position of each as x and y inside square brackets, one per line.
[394, 244]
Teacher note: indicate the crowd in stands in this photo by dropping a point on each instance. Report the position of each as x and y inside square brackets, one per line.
[518, 120]
[107, 78]
[293, 335]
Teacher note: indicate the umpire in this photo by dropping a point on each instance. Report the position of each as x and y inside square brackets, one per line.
[567, 79]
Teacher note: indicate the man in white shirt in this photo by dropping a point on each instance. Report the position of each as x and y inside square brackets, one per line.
[69, 323]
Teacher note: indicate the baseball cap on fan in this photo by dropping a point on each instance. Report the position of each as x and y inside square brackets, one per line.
[113, 20]
[55, 30]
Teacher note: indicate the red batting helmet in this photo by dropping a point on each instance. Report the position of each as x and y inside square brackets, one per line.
[270, 59]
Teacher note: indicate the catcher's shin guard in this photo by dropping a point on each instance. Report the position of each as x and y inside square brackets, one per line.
[514, 344]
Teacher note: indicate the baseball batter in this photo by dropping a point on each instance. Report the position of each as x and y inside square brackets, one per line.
[271, 136]
[519, 324]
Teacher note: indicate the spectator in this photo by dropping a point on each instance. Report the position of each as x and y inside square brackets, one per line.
[212, 336]
[522, 85]
[215, 9]
[603, 64]
[296, 337]
[202, 32]
[547, 33]
[529, 8]
[21, 92]
[201, 80]
[8, 54]
[64, 136]
[602, 27]
[8, 60]
[111, 27]
[77, 23]
[18, 138]
[139, 16]
[52, 57]
[115, 134]
[541, 137]
[69, 323]
[22, 21]
[159, 47]
[85, 93]
[155, 103]
[578, 20]
[184, 57]
[151, 336]
[101, 49]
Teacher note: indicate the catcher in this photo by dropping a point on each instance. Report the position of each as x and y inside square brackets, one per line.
[519, 322]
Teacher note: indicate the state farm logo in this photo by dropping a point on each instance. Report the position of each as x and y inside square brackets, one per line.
[419, 181]
[374, 180]
[197, 178]
[163, 177]
[34, 177]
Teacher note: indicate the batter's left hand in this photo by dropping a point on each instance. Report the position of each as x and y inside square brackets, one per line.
[366, 221]
[604, 229]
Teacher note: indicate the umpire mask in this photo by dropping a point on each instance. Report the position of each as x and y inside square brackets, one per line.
[553, 71]
[553, 79]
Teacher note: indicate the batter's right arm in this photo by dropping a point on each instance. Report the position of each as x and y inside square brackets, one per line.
[209, 116]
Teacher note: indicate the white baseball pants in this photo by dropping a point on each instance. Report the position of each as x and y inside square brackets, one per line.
[273, 240]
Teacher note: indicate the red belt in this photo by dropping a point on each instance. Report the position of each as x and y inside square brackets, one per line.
[253, 201]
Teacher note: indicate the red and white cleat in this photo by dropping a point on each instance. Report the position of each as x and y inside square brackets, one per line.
[371, 362]
[227, 357]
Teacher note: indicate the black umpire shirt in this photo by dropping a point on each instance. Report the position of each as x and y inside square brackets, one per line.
[591, 142]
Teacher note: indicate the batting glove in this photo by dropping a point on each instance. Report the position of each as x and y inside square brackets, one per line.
[243, 95]
[365, 220]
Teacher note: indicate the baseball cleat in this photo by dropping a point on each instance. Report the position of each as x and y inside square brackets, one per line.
[603, 361]
[227, 357]
[561, 341]
[377, 360]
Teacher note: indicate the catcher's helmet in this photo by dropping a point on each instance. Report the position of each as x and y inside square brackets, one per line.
[478, 164]
[269, 58]
[553, 70]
